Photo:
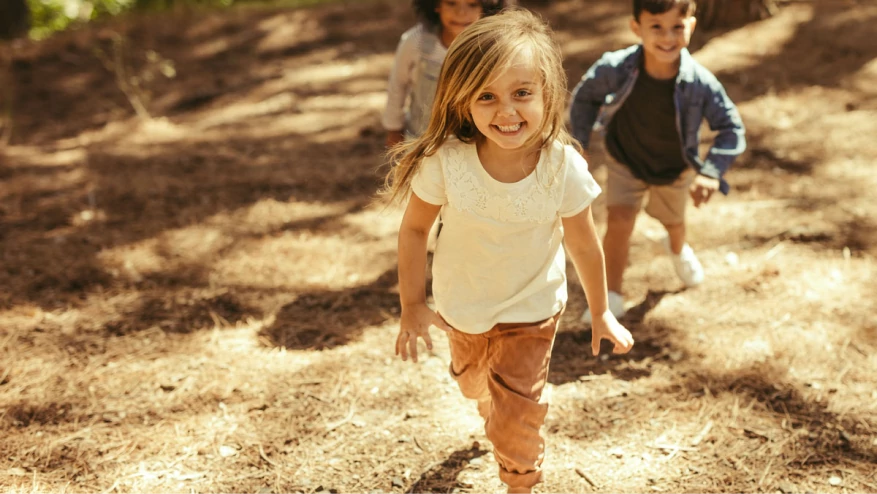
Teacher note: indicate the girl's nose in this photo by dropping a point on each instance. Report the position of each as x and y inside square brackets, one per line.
[507, 110]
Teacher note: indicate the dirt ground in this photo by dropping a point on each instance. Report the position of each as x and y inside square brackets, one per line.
[206, 300]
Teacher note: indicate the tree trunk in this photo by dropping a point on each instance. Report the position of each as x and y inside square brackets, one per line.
[732, 13]
[14, 19]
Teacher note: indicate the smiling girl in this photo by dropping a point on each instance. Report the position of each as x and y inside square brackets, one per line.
[419, 58]
[512, 189]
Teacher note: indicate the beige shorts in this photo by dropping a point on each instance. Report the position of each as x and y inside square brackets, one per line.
[666, 203]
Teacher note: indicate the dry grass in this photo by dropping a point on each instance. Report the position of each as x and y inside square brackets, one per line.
[206, 301]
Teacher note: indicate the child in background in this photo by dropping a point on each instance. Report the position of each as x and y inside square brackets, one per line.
[498, 164]
[419, 58]
[649, 101]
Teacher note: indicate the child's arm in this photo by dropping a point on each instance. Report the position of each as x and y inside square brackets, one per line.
[723, 117]
[417, 317]
[398, 85]
[583, 247]
[587, 98]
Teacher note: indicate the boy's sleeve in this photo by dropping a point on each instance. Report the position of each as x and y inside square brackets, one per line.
[399, 82]
[429, 181]
[723, 117]
[579, 187]
[587, 98]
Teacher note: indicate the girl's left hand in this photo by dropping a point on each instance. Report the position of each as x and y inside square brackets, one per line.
[607, 327]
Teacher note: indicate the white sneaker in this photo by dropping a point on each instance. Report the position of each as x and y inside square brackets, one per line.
[616, 307]
[685, 263]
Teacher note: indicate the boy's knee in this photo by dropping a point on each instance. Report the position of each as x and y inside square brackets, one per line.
[621, 218]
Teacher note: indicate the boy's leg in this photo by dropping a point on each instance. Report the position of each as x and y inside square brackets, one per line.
[518, 358]
[624, 197]
[469, 367]
[667, 204]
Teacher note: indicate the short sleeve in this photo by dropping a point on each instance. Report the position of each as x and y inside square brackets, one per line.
[429, 181]
[579, 187]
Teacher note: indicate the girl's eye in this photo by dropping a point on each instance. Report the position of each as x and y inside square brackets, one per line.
[485, 97]
[522, 93]
[678, 27]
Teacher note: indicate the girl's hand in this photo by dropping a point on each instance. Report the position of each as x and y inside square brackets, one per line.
[415, 323]
[394, 137]
[607, 327]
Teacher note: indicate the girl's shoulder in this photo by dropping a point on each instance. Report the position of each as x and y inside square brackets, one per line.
[419, 33]
[564, 155]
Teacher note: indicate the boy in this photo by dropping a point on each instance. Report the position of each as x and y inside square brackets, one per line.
[648, 101]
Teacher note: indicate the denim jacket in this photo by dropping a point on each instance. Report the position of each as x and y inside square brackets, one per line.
[698, 95]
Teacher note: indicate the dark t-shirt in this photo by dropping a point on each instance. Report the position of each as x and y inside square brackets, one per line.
[643, 133]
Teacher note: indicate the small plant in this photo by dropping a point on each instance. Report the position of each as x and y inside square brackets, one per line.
[135, 84]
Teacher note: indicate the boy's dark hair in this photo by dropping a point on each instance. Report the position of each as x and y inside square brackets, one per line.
[425, 10]
[686, 7]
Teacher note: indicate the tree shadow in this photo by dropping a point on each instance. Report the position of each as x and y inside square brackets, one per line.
[326, 319]
[798, 64]
[443, 478]
[571, 359]
[213, 56]
[828, 438]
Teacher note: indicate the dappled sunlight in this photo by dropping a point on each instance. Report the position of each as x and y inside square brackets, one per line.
[865, 80]
[329, 72]
[289, 31]
[746, 47]
[207, 299]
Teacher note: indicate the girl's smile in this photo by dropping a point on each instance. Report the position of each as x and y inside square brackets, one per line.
[509, 111]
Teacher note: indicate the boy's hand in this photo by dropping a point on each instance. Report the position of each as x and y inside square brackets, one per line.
[415, 323]
[607, 327]
[394, 137]
[702, 189]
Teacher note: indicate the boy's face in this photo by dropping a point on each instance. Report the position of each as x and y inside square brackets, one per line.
[456, 15]
[664, 35]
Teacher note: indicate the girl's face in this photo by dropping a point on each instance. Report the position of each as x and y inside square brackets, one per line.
[510, 110]
[456, 15]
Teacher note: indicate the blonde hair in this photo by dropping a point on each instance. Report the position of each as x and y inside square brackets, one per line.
[475, 58]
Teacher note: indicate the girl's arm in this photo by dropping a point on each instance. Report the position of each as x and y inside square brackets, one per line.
[398, 84]
[417, 317]
[583, 247]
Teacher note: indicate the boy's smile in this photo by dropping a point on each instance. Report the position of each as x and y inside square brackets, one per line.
[663, 37]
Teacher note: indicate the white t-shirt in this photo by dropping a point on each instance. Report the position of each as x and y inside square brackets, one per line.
[499, 257]
[413, 81]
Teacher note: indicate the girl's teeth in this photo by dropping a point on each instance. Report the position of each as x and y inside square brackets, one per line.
[509, 128]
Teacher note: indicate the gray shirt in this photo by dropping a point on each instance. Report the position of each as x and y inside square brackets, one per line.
[413, 81]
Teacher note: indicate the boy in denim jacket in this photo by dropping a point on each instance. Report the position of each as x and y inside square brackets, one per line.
[648, 101]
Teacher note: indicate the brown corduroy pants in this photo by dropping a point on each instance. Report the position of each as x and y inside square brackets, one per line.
[505, 370]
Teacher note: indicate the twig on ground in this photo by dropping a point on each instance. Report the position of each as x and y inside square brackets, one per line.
[584, 475]
[702, 434]
[265, 456]
[350, 412]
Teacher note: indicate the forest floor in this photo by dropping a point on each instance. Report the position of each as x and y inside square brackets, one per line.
[205, 300]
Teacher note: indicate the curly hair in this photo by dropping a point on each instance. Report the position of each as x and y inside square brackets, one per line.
[425, 10]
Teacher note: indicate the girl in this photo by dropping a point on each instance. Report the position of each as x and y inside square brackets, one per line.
[510, 185]
[419, 58]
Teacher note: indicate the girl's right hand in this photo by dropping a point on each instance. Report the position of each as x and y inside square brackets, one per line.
[394, 137]
[609, 328]
[415, 323]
